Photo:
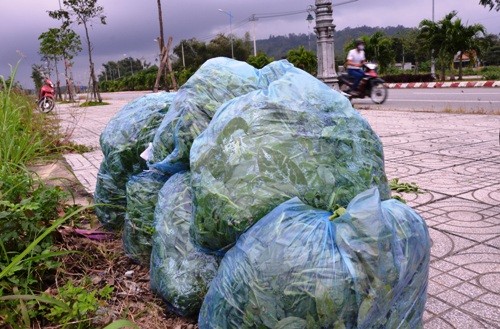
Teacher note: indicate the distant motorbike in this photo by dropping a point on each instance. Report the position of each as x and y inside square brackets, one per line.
[46, 97]
[370, 85]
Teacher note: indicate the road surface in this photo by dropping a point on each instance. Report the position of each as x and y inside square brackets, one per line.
[453, 100]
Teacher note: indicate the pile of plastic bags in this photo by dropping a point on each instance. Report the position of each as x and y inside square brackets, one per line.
[248, 166]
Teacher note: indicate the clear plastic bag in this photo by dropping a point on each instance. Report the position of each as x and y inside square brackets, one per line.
[298, 137]
[180, 274]
[142, 196]
[218, 80]
[123, 140]
[366, 269]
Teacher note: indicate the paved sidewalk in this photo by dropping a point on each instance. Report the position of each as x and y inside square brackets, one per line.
[454, 158]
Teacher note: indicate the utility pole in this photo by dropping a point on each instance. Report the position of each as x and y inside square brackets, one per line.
[433, 61]
[182, 51]
[230, 29]
[325, 48]
[254, 19]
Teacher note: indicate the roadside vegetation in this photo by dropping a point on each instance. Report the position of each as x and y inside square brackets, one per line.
[46, 279]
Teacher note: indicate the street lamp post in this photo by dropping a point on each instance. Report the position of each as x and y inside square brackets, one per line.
[230, 29]
[325, 51]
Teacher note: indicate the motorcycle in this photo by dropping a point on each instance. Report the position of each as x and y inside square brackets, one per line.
[46, 99]
[370, 85]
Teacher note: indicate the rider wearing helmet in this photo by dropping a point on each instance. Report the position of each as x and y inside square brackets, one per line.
[355, 60]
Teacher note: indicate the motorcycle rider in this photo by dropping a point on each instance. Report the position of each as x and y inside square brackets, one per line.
[355, 60]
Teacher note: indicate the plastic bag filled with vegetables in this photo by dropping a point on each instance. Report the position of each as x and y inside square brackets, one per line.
[125, 137]
[180, 274]
[215, 82]
[296, 138]
[142, 195]
[367, 268]
[110, 200]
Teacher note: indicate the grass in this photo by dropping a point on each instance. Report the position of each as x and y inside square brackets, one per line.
[32, 213]
[92, 103]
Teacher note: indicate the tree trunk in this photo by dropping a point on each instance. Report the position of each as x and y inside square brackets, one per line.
[460, 67]
[163, 62]
[58, 83]
[169, 66]
[161, 42]
[69, 83]
[95, 85]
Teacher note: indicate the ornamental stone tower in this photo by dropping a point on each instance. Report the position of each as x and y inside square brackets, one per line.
[324, 31]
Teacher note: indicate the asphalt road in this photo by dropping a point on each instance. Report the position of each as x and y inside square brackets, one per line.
[453, 100]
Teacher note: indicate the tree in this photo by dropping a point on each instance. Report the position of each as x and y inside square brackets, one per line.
[61, 44]
[260, 60]
[448, 36]
[37, 76]
[491, 4]
[378, 48]
[491, 49]
[466, 40]
[303, 59]
[84, 12]
[436, 36]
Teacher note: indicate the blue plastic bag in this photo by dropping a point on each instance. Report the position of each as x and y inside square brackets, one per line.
[366, 269]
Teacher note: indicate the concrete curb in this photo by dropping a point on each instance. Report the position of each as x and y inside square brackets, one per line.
[455, 84]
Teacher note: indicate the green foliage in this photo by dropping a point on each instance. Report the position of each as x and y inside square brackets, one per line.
[378, 49]
[81, 303]
[303, 59]
[36, 75]
[29, 209]
[491, 72]
[260, 60]
[398, 186]
[449, 36]
[60, 43]
[92, 103]
[491, 3]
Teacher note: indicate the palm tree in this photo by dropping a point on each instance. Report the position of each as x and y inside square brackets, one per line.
[439, 36]
[467, 41]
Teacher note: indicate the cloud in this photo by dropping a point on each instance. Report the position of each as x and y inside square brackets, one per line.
[133, 25]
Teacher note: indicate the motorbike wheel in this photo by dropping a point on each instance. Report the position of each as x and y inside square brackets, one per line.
[46, 104]
[378, 93]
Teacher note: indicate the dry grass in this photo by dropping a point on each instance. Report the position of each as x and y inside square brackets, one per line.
[105, 263]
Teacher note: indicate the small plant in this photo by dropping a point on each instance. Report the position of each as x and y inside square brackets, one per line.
[81, 304]
[91, 103]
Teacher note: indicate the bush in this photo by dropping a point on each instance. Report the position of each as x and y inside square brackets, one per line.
[491, 72]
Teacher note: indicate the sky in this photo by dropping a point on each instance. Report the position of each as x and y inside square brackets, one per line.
[132, 25]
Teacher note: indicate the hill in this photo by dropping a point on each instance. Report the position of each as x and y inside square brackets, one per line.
[278, 46]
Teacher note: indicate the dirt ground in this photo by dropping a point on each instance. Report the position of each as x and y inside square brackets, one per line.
[104, 262]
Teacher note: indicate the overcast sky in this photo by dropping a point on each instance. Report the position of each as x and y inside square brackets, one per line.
[132, 25]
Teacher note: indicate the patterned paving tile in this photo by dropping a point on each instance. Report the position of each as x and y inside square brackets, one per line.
[489, 195]
[444, 244]
[438, 323]
[418, 199]
[433, 161]
[482, 151]
[450, 184]
[397, 169]
[425, 146]
[414, 137]
[477, 169]
[462, 319]
[391, 153]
